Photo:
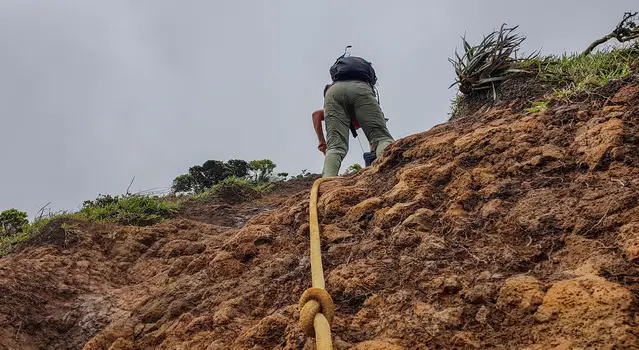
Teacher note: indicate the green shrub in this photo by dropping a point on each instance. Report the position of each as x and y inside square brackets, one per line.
[353, 169]
[128, 210]
[12, 222]
[235, 190]
[8, 243]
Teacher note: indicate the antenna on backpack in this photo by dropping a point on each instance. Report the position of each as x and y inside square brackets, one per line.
[346, 53]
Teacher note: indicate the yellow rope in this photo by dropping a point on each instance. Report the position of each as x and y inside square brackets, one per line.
[316, 305]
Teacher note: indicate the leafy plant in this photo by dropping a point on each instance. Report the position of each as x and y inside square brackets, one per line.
[537, 106]
[353, 169]
[12, 221]
[489, 62]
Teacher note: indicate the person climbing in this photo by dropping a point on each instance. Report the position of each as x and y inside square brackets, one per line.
[349, 103]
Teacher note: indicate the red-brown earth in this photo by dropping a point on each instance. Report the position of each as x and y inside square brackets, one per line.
[498, 230]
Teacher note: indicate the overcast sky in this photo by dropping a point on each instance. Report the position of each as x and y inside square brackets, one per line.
[93, 93]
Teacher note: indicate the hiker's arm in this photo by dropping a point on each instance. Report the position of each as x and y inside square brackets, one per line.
[318, 116]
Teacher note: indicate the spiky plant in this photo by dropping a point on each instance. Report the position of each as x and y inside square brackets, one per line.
[489, 62]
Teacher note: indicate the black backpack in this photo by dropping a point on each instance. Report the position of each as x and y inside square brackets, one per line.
[353, 68]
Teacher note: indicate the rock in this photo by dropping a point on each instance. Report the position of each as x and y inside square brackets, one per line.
[613, 115]
[483, 176]
[180, 247]
[587, 310]
[363, 208]
[559, 344]
[403, 238]
[482, 315]
[490, 208]
[629, 235]
[377, 345]
[122, 344]
[420, 219]
[334, 234]
[467, 338]
[613, 108]
[338, 199]
[626, 94]
[394, 215]
[452, 285]
[451, 316]
[594, 141]
[583, 114]
[227, 311]
[480, 293]
[454, 211]
[552, 152]
[223, 255]
[521, 292]
[430, 247]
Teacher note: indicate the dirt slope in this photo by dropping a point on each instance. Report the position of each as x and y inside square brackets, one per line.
[498, 230]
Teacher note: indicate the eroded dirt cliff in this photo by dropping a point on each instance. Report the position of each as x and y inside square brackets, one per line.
[497, 230]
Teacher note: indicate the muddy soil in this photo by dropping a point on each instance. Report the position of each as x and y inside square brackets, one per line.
[497, 230]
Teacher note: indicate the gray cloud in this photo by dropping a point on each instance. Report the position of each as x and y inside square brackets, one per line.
[96, 92]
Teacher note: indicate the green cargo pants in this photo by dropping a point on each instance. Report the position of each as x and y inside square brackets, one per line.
[343, 100]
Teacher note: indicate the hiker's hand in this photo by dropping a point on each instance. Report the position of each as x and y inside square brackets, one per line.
[322, 147]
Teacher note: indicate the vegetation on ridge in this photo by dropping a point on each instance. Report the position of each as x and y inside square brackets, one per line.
[486, 66]
[232, 181]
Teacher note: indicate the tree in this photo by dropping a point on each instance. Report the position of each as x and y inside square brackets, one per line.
[208, 174]
[212, 172]
[183, 183]
[238, 168]
[12, 221]
[626, 30]
[216, 170]
[200, 179]
[302, 175]
[262, 169]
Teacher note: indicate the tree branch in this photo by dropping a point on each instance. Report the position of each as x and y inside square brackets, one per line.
[128, 188]
[625, 31]
[597, 43]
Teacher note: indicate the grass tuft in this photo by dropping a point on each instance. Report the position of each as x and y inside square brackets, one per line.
[574, 73]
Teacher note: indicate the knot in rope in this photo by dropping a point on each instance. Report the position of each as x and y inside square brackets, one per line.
[315, 301]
